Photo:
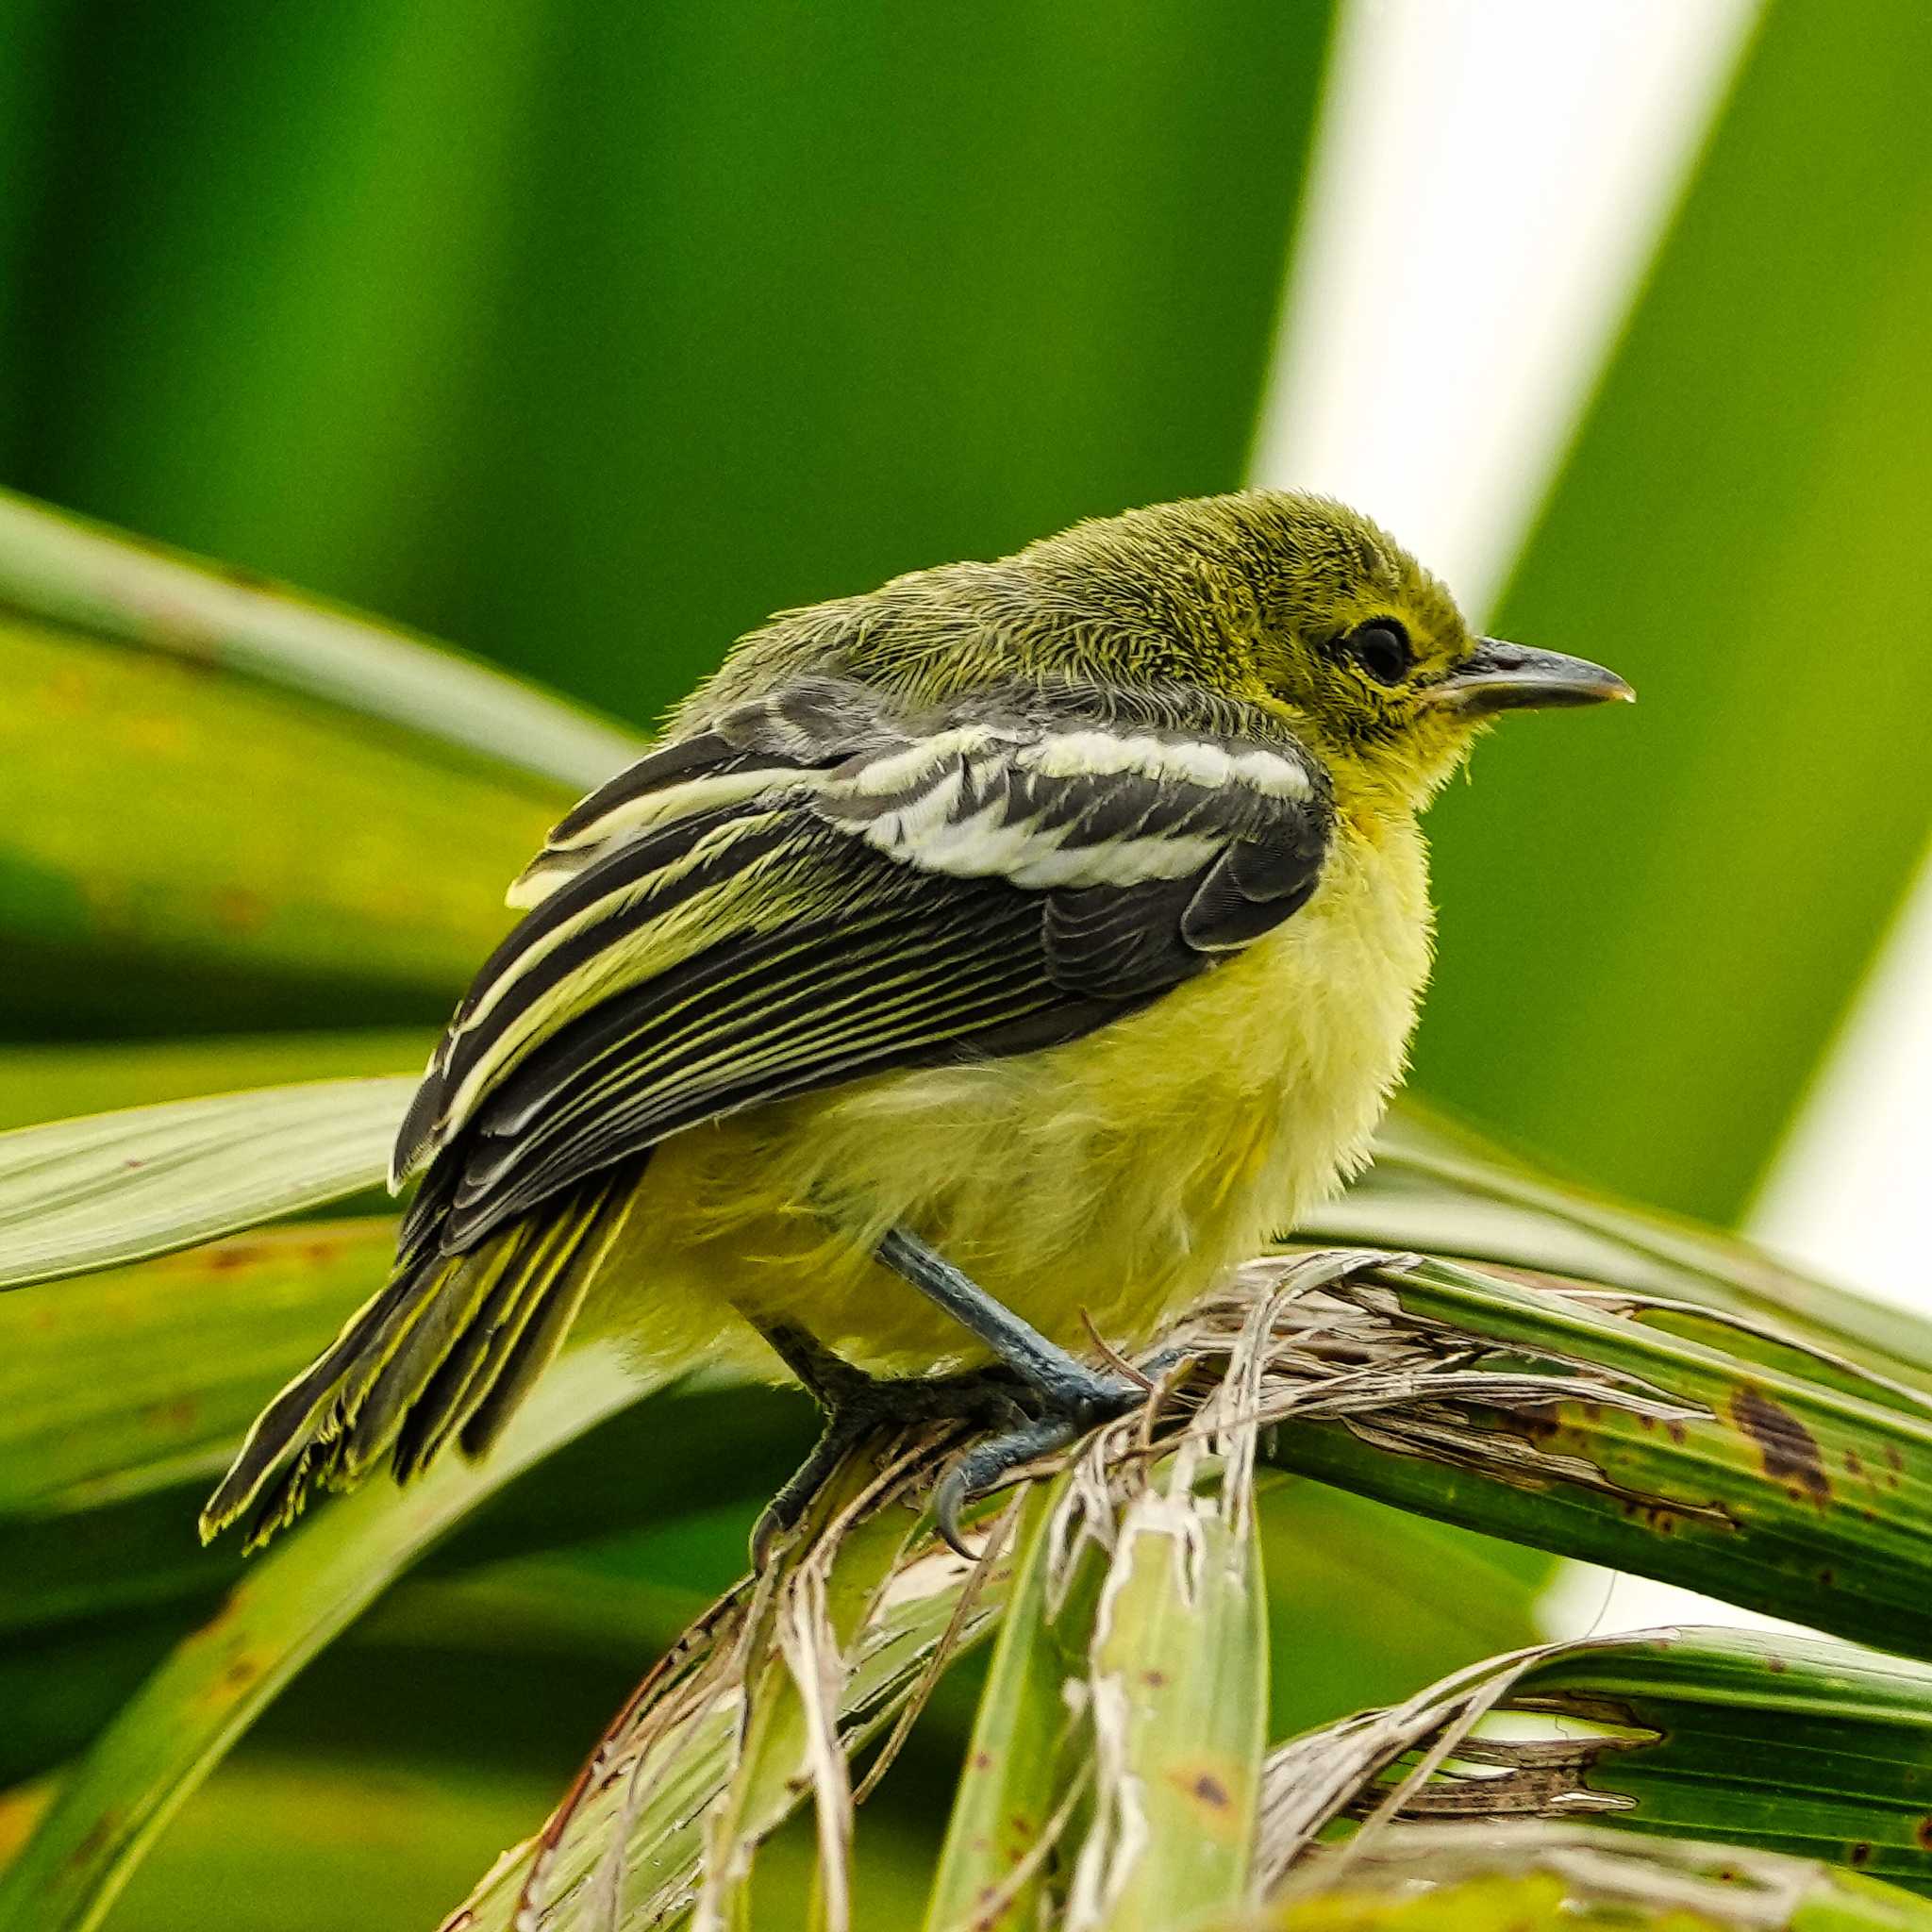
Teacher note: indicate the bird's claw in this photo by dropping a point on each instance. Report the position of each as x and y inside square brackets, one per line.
[980, 1466]
[1073, 1411]
[1028, 1422]
[863, 1403]
[843, 1430]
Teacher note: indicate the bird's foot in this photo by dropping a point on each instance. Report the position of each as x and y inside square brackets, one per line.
[857, 1403]
[1065, 1410]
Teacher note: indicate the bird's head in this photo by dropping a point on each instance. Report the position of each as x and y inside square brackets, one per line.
[1368, 654]
[1298, 605]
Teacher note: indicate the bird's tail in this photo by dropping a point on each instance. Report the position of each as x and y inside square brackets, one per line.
[448, 1348]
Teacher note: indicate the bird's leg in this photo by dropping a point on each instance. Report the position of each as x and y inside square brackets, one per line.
[1062, 1397]
[1072, 1397]
[855, 1403]
[1063, 1382]
[825, 1375]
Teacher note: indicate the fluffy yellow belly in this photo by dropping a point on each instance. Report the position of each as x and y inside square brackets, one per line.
[1120, 1174]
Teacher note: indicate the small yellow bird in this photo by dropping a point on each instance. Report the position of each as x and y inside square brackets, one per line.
[1022, 940]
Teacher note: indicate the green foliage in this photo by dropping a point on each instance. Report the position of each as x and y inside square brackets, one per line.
[169, 1736]
[160, 1366]
[1774, 1488]
[92, 580]
[163, 865]
[1551, 1879]
[77, 1195]
[43, 1083]
[592, 334]
[1013, 1782]
[1785, 1745]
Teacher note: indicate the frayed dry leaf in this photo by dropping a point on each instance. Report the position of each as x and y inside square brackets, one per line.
[1781, 1744]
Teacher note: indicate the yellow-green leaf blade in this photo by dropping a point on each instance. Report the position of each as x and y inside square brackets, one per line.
[1779, 1743]
[1786, 1494]
[57, 1082]
[151, 1373]
[183, 850]
[989, 1870]
[288, 1605]
[107, 1188]
[1546, 1877]
[62, 567]
[1180, 1684]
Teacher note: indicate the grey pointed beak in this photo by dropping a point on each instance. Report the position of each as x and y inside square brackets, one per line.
[1499, 676]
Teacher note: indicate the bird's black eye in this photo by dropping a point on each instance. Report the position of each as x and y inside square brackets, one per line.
[1381, 648]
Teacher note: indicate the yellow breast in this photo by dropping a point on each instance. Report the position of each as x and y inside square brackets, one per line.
[1121, 1174]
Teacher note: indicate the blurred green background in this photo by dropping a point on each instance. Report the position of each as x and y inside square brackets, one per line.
[587, 335]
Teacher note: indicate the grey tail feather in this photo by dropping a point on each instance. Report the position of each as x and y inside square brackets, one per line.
[450, 1346]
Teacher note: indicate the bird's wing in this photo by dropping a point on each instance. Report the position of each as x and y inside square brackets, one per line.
[807, 891]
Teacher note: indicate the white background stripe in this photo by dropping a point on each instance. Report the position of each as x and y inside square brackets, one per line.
[1489, 180]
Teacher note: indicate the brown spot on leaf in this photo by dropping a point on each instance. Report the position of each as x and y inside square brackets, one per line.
[1153, 1679]
[239, 909]
[982, 1760]
[1775, 1664]
[1208, 1784]
[96, 1838]
[178, 1415]
[1861, 1852]
[1924, 1834]
[1786, 1446]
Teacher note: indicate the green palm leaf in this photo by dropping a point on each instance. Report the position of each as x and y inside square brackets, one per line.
[169, 1736]
[92, 579]
[1569, 1878]
[112, 1188]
